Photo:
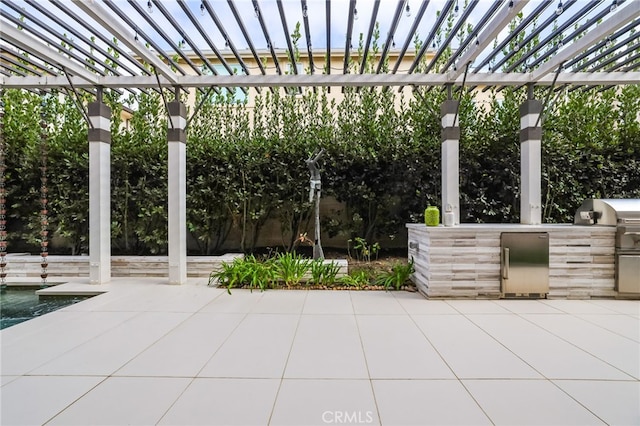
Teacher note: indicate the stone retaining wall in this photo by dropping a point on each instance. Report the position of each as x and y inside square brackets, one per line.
[121, 266]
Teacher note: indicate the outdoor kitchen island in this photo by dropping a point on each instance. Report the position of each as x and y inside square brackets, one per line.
[466, 260]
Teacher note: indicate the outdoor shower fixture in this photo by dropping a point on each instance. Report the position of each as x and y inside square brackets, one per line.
[315, 185]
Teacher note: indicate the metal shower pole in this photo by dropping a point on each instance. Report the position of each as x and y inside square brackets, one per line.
[314, 191]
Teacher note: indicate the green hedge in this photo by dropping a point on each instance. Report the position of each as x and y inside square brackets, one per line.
[247, 166]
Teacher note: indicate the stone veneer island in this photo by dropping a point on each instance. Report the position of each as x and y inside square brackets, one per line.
[463, 261]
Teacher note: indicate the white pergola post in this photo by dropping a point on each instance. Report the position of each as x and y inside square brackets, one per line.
[176, 138]
[450, 160]
[99, 193]
[530, 162]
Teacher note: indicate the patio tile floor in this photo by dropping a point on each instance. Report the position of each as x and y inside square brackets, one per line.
[148, 353]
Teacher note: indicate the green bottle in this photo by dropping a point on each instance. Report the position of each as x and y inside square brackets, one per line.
[432, 216]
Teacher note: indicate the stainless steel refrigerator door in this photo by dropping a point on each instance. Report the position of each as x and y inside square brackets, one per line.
[525, 263]
[628, 273]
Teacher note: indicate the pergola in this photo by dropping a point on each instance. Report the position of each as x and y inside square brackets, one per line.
[150, 44]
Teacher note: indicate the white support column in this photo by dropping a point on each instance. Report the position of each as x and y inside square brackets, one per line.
[530, 163]
[176, 138]
[450, 138]
[99, 193]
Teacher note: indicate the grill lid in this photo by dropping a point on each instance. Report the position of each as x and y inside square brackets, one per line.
[608, 212]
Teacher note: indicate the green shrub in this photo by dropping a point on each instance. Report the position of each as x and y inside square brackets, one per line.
[358, 278]
[323, 273]
[248, 271]
[382, 163]
[397, 277]
[359, 249]
[290, 268]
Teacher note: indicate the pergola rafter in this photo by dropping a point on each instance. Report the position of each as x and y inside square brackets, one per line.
[245, 34]
[228, 40]
[45, 53]
[412, 30]
[334, 80]
[486, 37]
[390, 41]
[122, 33]
[265, 32]
[19, 61]
[115, 39]
[549, 39]
[372, 25]
[21, 68]
[347, 44]
[454, 31]
[108, 42]
[307, 32]
[73, 30]
[629, 28]
[630, 12]
[62, 42]
[473, 52]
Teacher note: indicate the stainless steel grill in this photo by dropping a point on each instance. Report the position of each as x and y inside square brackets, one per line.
[625, 215]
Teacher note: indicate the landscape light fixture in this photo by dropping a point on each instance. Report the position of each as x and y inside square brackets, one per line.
[407, 11]
[149, 6]
[559, 9]
[355, 14]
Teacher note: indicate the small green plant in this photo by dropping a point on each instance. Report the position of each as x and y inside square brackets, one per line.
[363, 250]
[395, 278]
[230, 274]
[358, 278]
[290, 268]
[324, 273]
[248, 271]
[259, 273]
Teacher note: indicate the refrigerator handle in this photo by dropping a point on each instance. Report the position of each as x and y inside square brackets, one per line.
[505, 269]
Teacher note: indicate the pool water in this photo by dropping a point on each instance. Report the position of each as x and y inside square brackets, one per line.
[18, 304]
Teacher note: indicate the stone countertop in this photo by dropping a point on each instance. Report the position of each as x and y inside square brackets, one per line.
[516, 227]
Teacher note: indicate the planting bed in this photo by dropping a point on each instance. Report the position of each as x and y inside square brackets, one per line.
[388, 272]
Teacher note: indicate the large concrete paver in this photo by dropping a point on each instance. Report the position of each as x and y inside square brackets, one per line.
[148, 353]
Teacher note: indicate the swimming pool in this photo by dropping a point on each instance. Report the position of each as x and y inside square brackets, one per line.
[21, 303]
